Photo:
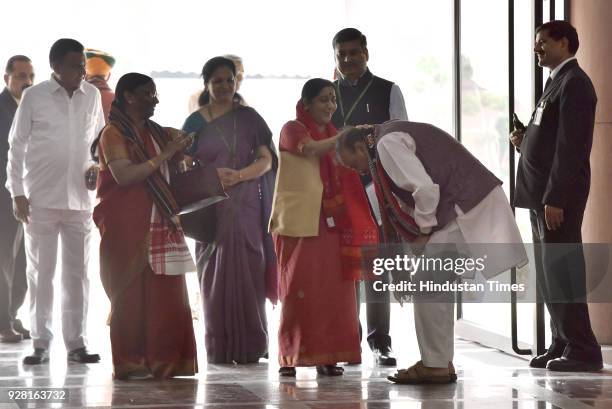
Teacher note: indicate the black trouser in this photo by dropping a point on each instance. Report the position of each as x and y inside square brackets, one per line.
[561, 280]
[13, 283]
[378, 310]
[378, 313]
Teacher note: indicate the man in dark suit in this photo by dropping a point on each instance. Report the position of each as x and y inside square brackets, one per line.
[553, 180]
[19, 75]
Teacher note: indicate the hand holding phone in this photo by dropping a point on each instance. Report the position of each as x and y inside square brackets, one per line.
[516, 136]
[518, 125]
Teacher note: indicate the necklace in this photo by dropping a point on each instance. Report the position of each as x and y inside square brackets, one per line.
[231, 146]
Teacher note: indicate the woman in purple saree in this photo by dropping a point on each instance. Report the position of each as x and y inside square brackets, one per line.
[237, 268]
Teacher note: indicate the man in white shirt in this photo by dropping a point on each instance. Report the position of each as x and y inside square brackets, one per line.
[451, 198]
[54, 126]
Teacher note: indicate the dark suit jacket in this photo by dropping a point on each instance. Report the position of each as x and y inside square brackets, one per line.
[554, 166]
[8, 106]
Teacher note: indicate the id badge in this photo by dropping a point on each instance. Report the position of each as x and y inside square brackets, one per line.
[537, 119]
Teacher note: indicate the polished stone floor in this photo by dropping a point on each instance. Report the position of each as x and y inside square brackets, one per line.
[487, 379]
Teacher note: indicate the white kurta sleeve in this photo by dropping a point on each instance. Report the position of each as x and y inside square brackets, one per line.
[396, 152]
[19, 137]
[397, 105]
[101, 120]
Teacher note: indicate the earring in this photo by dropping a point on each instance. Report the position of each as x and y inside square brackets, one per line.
[370, 140]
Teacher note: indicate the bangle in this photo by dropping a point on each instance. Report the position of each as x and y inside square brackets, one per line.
[152, 164]
[239, 175]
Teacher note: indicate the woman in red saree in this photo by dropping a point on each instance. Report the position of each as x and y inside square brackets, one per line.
[320, 220]
[143, 254]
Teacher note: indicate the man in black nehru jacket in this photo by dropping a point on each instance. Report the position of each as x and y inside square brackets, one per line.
[364, 98]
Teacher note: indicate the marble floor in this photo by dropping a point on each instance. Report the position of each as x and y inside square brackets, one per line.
[487, 379]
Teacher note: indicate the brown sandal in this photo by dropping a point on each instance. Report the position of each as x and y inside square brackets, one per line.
[418, 374]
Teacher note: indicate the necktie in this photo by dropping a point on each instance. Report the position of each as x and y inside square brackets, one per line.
[548, 81]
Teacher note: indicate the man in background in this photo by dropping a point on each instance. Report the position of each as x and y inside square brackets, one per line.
[98, 66]
[364, 98]
[18, 76]
[553, 179]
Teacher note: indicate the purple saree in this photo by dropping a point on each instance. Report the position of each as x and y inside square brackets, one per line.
[237, 270]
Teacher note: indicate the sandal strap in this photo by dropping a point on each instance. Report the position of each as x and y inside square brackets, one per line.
[408, 373]
[418, 372]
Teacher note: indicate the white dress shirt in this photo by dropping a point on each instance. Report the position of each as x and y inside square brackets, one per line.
[554, 72]
[49, 145]
[397, 105]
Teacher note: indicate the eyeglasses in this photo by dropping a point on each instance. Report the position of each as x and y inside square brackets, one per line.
[149, 94]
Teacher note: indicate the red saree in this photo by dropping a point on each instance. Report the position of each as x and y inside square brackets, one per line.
[319, 315]
[147, 336]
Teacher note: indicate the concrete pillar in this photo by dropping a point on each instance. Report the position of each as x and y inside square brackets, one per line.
[592, 20]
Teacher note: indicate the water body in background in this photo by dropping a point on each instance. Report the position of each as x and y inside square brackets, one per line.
[273, 98]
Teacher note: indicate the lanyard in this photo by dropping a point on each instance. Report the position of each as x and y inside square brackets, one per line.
[231, 147]
[359, 98]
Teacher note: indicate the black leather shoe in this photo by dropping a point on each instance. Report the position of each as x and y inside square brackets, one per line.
[384, 357]
[8, 336]
[18, 327]
[330, 370]
[540, 361]
[80, 355]
[573, 365]
[287, 371]
[40, 356]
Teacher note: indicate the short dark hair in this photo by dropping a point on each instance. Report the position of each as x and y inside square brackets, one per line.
[349, 34]
[63, 46]
[208, 70]
[559, 29]
[313, 87]
[349, 139]
[10, 64]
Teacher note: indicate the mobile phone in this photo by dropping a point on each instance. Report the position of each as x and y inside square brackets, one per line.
[518, 125]
[192, 144]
